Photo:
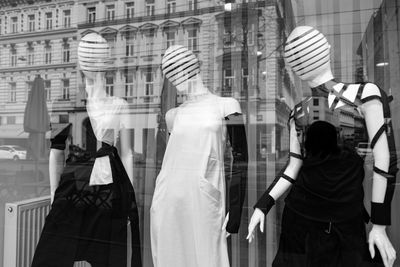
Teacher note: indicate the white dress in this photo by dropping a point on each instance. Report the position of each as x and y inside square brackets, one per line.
[188, 208]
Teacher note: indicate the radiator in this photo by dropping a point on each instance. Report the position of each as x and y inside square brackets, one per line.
[24, 221]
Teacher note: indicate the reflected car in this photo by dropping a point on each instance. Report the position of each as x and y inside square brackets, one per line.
[363, 148]
[12, 152]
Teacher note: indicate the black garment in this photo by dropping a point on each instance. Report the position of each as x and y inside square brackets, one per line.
[90, 222]
[304, 242]
[238, 173]
[329, 189]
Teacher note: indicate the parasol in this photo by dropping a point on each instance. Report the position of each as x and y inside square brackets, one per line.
[36, 119]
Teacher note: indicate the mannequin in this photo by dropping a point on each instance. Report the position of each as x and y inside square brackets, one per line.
[307, 52]
[93, 194]
[188, 222]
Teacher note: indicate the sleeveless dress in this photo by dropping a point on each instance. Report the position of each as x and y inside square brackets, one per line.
[188, 207]
[88, 220]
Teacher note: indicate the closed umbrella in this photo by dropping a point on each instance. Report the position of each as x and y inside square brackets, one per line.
[36, 119]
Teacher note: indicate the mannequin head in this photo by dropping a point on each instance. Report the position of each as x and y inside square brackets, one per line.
[307, 52]
[93, 53]
[180, 65]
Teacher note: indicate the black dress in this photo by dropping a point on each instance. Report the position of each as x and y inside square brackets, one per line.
[323, 222]
[90, 222]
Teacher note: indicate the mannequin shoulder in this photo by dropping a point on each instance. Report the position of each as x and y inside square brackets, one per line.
[370, 89]
[229, 106]
[170, 115]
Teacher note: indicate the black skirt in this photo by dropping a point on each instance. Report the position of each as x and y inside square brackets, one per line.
[90, 222]
[304, 242]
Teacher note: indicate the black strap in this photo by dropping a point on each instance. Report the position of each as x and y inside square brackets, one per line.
[371, 97]
[360, 91]
[383, 173]
[295, 155]
[288, 178]
[340, 97]
[381, 130]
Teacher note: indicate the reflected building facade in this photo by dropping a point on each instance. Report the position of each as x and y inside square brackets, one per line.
[36, 38]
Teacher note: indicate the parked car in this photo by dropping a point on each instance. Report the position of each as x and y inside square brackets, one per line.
[363, 148]
[12, 152]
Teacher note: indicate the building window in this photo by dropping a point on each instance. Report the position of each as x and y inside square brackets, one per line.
[192, 5]
[245, 79]
[28, 89]
[110, 12]
[193, 40]
[47, 88]
[1, 26]
[47, 55]
[229, 80]
[129, 48]
[150, 7]
[171, 6]
[63, 118]
[228, 40]
[49, 20]
[31, 23]
[250, 35]
[14, 24]
[65, 89]
[316, 115]
[13, 57]
[110, 85]
[130, 9]
[91, 14]
[10, 120]
[149, 83]
[111, 39]
[170, 38]
[12, 96]
[315, 101]
[66, 52]
[31, 55]
[149, 42]
[129, 84]
[67, 18]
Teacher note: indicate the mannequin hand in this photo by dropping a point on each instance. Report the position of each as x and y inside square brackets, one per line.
[257, 218]
[378, 237]
[225, 223]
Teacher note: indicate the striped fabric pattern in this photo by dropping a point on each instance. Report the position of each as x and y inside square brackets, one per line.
[93, 53]
[179, 64]
[307, 51]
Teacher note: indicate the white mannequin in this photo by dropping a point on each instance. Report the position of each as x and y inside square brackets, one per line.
[188, 215]
[313, 66]
[95, 88]
[198, 89]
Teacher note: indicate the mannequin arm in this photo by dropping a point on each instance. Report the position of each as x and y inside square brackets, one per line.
[126, 153]
[284, 179]
[56, 166]
[238, 185]
[381, 185]
[280, 185]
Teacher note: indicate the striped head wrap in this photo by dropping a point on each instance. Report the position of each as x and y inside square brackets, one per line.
[179, 64]
[93, 53]
[307, 52]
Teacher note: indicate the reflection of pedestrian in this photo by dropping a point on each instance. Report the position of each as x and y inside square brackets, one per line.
[323, 220]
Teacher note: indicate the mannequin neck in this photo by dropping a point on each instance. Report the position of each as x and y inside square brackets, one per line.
[197, 89]
[324, 89]
[96, 88]
[322, 78]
